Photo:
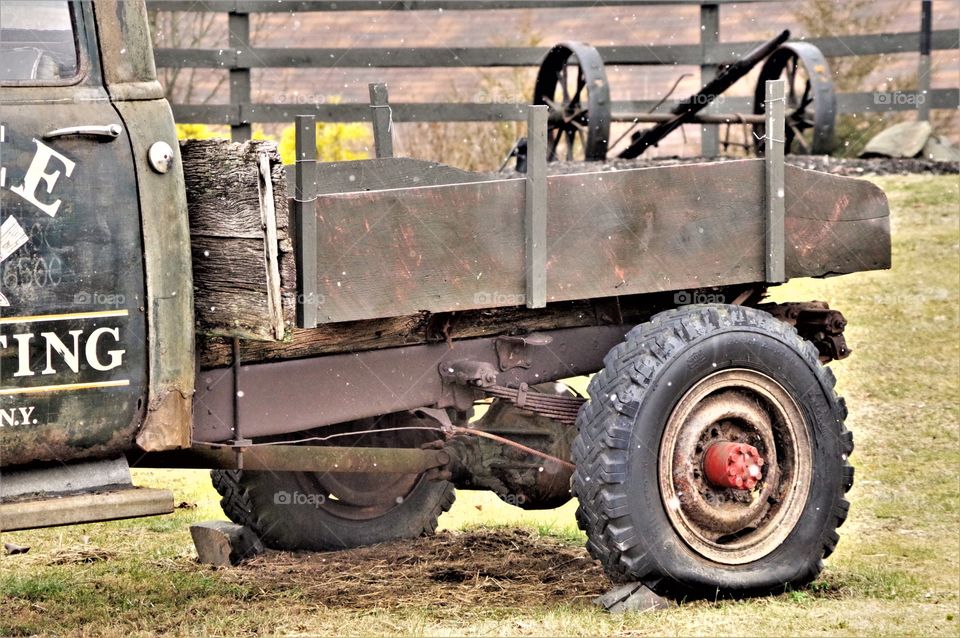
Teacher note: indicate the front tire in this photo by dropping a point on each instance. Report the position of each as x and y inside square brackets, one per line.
[688, 380]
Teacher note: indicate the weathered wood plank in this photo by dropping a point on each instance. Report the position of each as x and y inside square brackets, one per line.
[623, 111]
[710, 53]
[391, 332]
[252, 6]
[834, 224]
[460, 247]
[240, 248]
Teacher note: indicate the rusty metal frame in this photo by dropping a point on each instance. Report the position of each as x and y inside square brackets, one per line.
[292, 396]
[301, 458]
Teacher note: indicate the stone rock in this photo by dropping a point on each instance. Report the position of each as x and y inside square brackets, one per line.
[224, 544]
[938, 149]
[13, 548]
[632, 597]
[905, 139]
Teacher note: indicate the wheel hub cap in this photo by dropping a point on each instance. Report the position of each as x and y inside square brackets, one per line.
[734, 465]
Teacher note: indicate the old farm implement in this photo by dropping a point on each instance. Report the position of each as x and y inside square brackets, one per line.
[572, 82]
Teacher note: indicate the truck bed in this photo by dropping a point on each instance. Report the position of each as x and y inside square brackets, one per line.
[409, 251]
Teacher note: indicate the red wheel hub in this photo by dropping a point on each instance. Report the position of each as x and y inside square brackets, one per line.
[735, 465]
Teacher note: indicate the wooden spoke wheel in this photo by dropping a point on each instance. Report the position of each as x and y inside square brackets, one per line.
[573, 84]
[811, 104]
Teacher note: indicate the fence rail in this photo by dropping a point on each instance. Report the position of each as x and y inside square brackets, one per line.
[240, 57]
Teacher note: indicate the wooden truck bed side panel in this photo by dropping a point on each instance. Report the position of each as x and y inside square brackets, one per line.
[834, 225]
[455, 247]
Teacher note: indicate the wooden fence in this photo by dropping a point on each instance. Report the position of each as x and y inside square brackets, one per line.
[240, 57]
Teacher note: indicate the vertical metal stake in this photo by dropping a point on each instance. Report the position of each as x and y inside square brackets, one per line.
[382, 119]
[239, 38]
[305, 219]
[923, 71]
[775, 192]
[535, 218]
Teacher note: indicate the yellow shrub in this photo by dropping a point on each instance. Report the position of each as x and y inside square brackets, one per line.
[336, 141]
[198, 132]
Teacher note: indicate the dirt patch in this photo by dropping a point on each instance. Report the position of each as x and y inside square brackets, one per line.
[510, 568]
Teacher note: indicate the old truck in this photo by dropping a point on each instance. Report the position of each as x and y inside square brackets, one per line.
[336, 404]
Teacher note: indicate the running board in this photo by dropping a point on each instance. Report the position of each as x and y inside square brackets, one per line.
[79, 493]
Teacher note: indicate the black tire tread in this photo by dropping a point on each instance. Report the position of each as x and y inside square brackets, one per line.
[604, 428]
[239, 507]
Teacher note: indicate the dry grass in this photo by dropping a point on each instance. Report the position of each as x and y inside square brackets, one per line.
[895, 572]
[448, 572]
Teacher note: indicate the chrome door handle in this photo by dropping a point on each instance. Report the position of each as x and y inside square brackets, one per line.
[107, 132]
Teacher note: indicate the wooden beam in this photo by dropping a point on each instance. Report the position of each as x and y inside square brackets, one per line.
[243, 265]
[710, 53]
[402, 251]
[709, 37]
[481, 112]
[240, 93]
[285, 6]
[382, 119]
[268, 216]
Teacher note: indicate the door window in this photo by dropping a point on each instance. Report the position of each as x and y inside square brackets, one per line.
[38, 44]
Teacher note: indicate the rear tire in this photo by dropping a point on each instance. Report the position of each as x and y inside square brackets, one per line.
[329, 511]
[688, 379]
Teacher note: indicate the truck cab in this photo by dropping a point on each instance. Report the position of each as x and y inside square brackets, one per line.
[88, 174]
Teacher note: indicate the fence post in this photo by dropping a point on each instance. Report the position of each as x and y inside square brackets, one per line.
[382, 119]
[709, 36]
[238, 24]
[775, 190]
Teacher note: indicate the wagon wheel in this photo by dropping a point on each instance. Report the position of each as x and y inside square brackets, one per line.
[573, 84]
[811, 103]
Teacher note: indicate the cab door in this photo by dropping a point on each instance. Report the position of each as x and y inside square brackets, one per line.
[72, 328]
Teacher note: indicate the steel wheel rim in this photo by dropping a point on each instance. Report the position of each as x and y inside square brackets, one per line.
[364, 496]
[579, 119]
[722, 524]
[810, 127]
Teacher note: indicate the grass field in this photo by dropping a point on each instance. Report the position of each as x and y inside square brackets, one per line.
[896, 571]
